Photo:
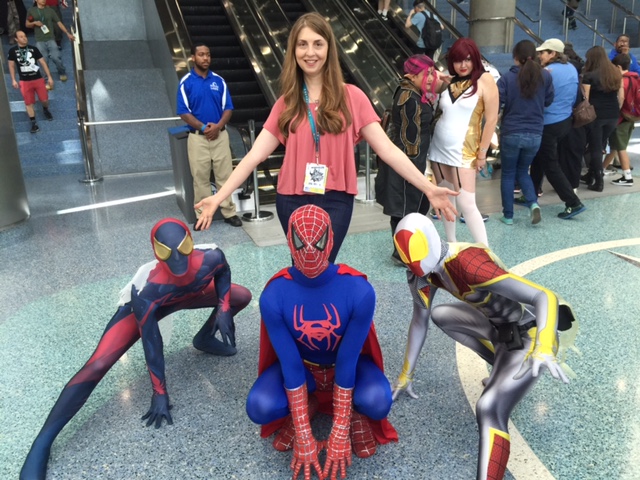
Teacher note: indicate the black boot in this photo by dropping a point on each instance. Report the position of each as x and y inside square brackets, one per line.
[598, 182]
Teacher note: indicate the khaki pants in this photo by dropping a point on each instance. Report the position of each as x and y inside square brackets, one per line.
[205, 156]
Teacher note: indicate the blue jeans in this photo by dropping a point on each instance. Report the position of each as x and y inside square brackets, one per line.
[517, 151]
[339, 206]
[50, 49]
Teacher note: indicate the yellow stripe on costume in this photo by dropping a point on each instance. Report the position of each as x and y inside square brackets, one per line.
[494, 432]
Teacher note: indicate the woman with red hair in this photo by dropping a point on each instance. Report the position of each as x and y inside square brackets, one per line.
[456, 153]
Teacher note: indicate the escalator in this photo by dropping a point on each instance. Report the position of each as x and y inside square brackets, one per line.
[208, 23]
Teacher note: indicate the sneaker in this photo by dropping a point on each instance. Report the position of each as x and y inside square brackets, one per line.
[47, 115]
[63, 78]
[520, 200]
[34, 128]
[535, 214]
[587, 178]
[485, 217]
[517, 191]
[571, 212]
[610, 170]
[433, 214]
[540, 193]
[506, 221]
[623, 182]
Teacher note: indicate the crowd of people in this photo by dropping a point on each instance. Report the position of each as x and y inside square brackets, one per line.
[334, 364]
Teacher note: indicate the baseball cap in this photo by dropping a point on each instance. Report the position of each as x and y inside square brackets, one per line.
[553, 44]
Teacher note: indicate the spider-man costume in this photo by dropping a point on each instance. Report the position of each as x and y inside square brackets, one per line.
[509, 321]
[182, 277]
[319, 351]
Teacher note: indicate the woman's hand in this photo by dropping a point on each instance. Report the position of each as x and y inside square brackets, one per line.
[208, 207]
[439, 200]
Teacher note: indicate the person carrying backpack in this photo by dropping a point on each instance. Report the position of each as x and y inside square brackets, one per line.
[629, 114]
[430, 29]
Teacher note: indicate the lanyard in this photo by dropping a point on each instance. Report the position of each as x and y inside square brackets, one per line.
[314, 131]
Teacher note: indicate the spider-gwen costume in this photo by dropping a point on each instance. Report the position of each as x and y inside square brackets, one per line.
[182, 277]
[321, 353]
[509, 321]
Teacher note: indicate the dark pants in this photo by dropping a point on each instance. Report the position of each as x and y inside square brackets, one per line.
[571, 153]
[546, 162]
[339, 206]
[598, 133]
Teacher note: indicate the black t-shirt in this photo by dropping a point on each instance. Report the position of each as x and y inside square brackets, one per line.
[604, 103]
[27, 61]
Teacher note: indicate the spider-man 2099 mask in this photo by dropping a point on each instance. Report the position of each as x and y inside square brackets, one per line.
[172, 244]
[310, 239]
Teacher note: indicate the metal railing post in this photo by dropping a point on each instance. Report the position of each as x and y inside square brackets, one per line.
[367, 176]
[257, 215]
[87, 152]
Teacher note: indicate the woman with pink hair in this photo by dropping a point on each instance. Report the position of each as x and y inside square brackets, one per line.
[409, 130]
[460, 141]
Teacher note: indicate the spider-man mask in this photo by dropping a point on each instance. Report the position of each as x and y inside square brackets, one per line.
[172, 245]
[310, 239]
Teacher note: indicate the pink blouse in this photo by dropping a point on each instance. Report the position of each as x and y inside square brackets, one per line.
[336, 151]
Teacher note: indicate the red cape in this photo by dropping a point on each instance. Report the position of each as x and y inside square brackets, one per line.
[382, 429]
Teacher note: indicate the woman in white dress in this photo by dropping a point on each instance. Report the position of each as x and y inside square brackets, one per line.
[460, 140]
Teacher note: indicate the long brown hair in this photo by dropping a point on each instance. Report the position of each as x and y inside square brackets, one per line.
[530, 74]
[333, 113]
[599, 63]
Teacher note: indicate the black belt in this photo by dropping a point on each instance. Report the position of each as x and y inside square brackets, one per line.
[198, 132]
[527, 326]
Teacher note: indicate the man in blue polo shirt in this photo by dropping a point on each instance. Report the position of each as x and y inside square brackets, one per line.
[204, 103]
[622, 46]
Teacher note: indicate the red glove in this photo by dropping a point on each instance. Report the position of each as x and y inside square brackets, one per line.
[339, 443]
[305, 446]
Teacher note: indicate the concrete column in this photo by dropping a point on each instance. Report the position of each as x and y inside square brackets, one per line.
[493, 35]
[14, 206]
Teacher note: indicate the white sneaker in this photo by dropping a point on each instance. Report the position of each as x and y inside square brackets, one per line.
[610, 170]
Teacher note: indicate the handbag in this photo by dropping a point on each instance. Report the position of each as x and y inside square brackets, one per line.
[583, 113]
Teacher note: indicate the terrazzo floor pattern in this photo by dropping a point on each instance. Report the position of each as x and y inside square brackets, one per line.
[62, 271]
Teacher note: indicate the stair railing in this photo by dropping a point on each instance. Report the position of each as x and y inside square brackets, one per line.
[91, 175]
[629, 14]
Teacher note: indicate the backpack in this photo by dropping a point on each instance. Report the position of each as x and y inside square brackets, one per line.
[630, 109]
[431, 33]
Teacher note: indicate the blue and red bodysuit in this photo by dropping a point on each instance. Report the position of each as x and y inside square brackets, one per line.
[182, 277]
[320, 331]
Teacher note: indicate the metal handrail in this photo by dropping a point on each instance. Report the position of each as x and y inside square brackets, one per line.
[91, 175]
[508, 41]
[628, 14]
[532, 20]
[139, 120]
[584, 20]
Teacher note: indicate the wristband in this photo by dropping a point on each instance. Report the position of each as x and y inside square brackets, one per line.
[203, 127]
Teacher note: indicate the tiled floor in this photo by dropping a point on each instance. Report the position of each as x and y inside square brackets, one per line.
[62, 271]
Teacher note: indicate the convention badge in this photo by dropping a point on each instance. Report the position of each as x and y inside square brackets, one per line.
[44, 29]
[315, 179]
